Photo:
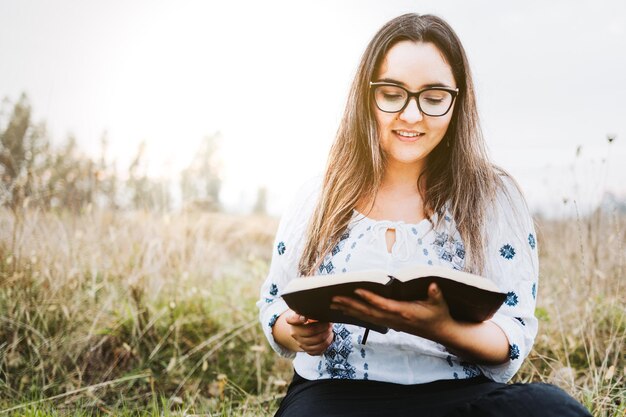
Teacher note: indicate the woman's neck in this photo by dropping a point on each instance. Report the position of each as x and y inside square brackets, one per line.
[398, 198]
[401, 178]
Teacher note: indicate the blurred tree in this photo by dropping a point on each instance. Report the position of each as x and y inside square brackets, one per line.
[106, 177]
[200, 182]
[21, 146]
[33, 173]
[137, 179]
[146, 193]
[71, 178]
[13, 155]
[15, 178]
[260, 206]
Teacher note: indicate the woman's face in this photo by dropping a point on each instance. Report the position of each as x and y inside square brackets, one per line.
[409, 136]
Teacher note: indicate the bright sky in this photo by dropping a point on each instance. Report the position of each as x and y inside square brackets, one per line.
[272, 77]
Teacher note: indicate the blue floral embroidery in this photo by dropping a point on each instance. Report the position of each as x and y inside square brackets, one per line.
[363, 354]
[511, 299]
[339, 246]
[521, 320]
[460, 250]
[326, 268]
[272, 321]
[450, 249]
[348, 257]
[513, 351]
[414, 230]
[470, 370]
[270, 300]
[337, 354]
[419, 241]
[281, 248]
[344, 270]
[449, 359]
[430, 262]
[447, 218]
[531, 241]
[507, 251]
[425, 251]
[361, 235]
[456, 376]
[440, 239]
[534, 290]
[274, 290]
[353, 245]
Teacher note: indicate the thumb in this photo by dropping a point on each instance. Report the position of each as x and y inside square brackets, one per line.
[434, 292]
[294, 318]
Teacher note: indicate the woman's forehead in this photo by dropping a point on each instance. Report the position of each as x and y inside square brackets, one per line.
[415, 64]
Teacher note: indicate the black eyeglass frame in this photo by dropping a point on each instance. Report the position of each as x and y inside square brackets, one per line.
[453, 91]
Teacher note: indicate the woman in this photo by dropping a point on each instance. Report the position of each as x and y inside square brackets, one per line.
[408, 181]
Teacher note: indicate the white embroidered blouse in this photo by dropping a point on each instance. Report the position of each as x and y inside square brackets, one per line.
[511, 262]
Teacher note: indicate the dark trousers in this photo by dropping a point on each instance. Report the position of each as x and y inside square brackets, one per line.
[454, 398]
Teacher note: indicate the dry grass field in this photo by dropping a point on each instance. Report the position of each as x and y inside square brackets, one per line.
[118, 313]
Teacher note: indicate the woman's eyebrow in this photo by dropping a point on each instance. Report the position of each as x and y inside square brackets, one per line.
[392, 81]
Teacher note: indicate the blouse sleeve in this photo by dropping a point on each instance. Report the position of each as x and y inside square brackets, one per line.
[287, 249]
[512, 263]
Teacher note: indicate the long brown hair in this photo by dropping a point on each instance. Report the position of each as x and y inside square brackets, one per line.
[457, 170]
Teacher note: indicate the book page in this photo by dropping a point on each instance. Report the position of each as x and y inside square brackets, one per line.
[302, 283]
[421, 270]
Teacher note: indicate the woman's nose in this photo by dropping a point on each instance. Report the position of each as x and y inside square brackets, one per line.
[411, 112]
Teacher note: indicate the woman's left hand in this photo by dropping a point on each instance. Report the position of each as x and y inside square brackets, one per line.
[425, 318]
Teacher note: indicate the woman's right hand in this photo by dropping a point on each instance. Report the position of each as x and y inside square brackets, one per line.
[312, 337]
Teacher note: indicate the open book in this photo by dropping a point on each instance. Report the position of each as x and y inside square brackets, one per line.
[469, 297]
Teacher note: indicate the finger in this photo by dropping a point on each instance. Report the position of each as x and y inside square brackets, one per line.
[385, 304]
[345, 303]
[312, 331]
[318, 348]
[295, 319]
[364, 311]
[393, 316]
[315, 339]
[434, 293]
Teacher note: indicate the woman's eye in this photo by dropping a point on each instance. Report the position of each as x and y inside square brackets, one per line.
[389, 96]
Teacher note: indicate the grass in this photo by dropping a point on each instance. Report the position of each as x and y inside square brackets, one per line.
[141, 314]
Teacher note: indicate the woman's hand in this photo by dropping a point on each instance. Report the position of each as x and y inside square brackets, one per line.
[426, 318]
[310, 336]
[476, 342]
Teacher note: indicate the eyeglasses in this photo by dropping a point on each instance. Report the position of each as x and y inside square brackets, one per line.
[431, 101]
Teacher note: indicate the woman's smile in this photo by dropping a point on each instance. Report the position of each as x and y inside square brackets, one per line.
[408, 135]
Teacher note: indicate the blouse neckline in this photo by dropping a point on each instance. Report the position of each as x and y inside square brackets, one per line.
[357, 215]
